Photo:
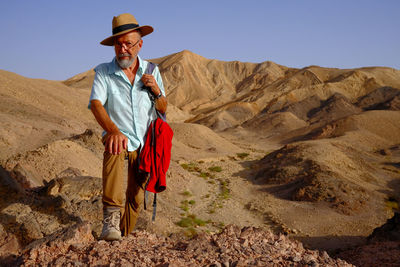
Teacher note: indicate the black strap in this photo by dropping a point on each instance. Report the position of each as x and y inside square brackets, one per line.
[146, 193]
[153, 143]
[153, 218]
[155, 167]
[149, 70]
[124, 28]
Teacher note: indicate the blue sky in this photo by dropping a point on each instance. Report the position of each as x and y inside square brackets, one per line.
[59, 39]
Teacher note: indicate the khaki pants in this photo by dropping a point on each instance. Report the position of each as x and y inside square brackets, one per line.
[113, 185]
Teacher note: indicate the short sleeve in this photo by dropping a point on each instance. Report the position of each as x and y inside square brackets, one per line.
[99, 88]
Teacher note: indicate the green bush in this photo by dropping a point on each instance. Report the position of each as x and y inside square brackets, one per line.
[215, 169]
[191, 221]
[242, 155]
[187, 193]
[185, 205]
[185, 222]
[191, 167]
[204, 174]
[190, 232]
[199, 222]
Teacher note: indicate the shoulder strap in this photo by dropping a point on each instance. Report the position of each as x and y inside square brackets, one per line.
[150, 67]
[149, 70]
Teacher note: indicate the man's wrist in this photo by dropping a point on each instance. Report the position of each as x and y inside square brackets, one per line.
[114, 130]
[158, 96]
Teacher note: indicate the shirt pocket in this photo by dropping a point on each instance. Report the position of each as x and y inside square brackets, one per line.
[116, 101]
[145, 104]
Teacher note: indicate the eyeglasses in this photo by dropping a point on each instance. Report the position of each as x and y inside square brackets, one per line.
[127, 45]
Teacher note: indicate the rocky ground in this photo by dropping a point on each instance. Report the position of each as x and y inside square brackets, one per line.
[234, 246]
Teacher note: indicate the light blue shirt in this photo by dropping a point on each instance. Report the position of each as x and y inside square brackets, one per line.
[128, 106]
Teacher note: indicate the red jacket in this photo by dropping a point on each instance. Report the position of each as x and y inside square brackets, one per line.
[155, 155]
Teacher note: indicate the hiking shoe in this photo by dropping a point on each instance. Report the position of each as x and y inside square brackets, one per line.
[111, 222]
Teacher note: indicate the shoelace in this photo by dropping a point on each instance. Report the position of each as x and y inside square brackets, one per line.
[112, 220]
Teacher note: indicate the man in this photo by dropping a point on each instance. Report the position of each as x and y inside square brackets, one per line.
[124, 110]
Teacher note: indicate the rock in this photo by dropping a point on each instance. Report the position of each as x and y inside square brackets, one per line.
[57, 244]
[30, 214]
[69, 172]
[24, 177]
[8, 184]
[75, 187]
[9, 244]
[385, 152]
[89, 139]
[390, 231]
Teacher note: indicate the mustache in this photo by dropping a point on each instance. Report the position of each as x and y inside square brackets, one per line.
[124, 55]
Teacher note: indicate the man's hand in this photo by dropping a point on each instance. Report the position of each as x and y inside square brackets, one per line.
[149, 81]
[116, 143]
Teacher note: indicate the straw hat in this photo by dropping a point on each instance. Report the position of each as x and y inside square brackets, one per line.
[125, 23]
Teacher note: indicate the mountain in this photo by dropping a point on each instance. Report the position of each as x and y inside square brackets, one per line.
[222, 94]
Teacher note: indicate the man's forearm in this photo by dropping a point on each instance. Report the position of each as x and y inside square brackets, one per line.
[102, 117]
[161, 104]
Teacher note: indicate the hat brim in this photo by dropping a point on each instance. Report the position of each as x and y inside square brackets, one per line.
[144, 30]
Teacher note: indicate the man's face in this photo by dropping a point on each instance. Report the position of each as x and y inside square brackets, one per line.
[127, 47]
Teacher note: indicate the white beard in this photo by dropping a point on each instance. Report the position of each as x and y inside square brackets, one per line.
[125, 63]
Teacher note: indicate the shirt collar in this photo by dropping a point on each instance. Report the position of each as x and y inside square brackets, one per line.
[115, 68]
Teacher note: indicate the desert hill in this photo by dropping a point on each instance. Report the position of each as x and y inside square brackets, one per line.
[35, 112]
[83, 80]
[278, 147]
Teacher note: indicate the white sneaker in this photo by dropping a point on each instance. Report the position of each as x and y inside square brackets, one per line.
[111, 220]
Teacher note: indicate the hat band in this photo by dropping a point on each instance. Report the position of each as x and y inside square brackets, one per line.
[124, 28]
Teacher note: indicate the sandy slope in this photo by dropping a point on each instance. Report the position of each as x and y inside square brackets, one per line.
[35, 112]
